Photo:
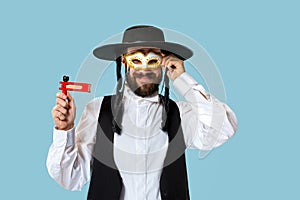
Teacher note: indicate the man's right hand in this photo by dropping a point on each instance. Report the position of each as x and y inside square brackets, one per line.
[64, 112]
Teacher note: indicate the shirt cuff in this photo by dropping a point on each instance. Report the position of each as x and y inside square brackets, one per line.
[63, 138]
[185, 82]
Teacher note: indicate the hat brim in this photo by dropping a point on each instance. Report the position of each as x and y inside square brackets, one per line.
[113, 51]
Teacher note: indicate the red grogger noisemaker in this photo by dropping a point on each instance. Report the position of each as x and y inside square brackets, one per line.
[73, 86]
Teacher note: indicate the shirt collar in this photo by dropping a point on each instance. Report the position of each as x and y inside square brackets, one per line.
[129, 94]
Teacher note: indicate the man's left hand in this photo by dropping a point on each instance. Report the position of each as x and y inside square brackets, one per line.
[175, 66]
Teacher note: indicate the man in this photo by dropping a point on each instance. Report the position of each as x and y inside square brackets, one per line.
[131, 145]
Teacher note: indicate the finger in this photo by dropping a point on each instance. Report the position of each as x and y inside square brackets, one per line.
[61, 117]
[176, 62]
[171, 64]
[60, 109]
[58, 115]
[163, 64]
[165, 59]
[61, 95]
[71, 101]
[169, 73]
[62, 103]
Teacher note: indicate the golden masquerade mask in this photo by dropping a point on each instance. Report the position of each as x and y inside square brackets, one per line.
[140, 61]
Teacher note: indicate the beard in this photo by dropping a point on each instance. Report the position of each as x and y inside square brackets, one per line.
[146, 89]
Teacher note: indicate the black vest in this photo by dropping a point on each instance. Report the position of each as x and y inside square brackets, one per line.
[106, 181]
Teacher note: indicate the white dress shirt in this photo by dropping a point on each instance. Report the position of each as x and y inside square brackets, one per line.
[140, 150]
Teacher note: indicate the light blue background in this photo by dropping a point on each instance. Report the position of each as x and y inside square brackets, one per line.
[255, 45]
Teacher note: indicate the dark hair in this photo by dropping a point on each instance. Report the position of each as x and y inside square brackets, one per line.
[117, 103]
[165, 102]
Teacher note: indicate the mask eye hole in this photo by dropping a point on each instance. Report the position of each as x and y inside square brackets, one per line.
[153, 62]
[136, 61]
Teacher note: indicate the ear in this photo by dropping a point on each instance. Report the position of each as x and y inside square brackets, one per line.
[123, 59]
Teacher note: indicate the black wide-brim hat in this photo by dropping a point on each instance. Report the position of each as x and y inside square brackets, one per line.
[145, 36]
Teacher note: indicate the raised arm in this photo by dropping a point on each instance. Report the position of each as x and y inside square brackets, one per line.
[70, 155]
[206, 122]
